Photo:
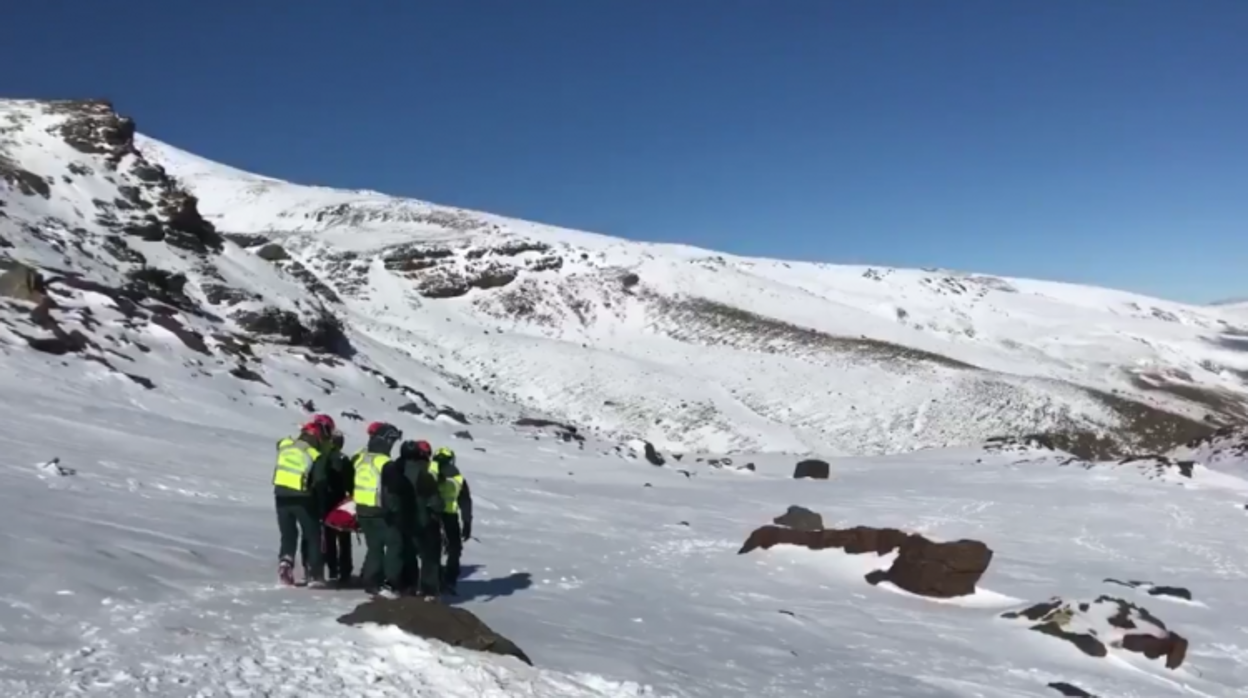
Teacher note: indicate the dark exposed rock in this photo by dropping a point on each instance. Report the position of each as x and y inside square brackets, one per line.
[22, 283]
[244, 373]
[922, 566]
[307, 405]
[25, 181]
[218, 294]
[652, 454]
[453, 414]
[800, 518]
[94, 128]
[534, 422]
[192, 339]
[464, 434]
[246, 239]
[70, 342]
[352, 415]
[411, 408]
[812, 468]
[1106, 621]
[145, 382]
[1162, 463]
[116, 246]
[1153, 589]
[457, 627]
[566, 432]
[326, 333]
[1070, 690]
[159, 284]
[272, 252]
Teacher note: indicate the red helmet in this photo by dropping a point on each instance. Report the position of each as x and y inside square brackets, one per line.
[316, 430]
[374, 427]
[423, 449]
[325, 420]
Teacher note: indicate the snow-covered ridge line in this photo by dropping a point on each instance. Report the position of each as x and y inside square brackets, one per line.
[684, 347]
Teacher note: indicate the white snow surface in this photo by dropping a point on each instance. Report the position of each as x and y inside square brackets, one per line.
[140, 554]
[148, 569]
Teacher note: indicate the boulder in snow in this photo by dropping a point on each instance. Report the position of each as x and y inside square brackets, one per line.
[435, 621]
[1070, 690]
[801, 518]
[1108, 621]
[812, 468]
[653, 455]
[922, 566]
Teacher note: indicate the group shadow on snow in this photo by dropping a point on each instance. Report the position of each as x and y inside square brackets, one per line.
[470, 589]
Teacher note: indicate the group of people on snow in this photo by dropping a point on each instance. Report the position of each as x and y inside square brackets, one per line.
[406, 507]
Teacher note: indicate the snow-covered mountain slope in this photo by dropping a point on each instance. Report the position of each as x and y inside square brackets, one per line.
[695, 349]
[690, 349]
[142, 563]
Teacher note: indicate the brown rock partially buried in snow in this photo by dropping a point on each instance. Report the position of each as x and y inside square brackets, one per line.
[435, 621]
[922, 566]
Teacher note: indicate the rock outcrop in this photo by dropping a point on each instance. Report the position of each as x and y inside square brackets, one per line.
[435, 621]
[812, 468]
[22, 283]
[800, 518]
[1105, 622]
[922, 566]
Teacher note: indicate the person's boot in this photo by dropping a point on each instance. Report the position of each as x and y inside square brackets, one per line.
[286, 571]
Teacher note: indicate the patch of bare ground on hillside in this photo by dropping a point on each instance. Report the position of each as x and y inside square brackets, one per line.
[1232, 407]
[1142, 428]
[703, 321]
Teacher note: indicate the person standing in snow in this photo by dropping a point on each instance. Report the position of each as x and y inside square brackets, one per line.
[338, 488]
[377, 491]
[456, 501]
[299, 473]
[421, 535]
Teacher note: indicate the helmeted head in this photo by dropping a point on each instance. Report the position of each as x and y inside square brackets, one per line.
[317, 431]
[325, 420]
[338, 439]
[384, 433]
[418, 450]
[444, 456]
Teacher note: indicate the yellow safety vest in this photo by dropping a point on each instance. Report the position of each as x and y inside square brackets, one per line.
[449, 489]
[367, 490]
[294, 464]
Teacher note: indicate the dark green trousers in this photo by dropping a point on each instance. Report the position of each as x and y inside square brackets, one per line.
[422, 562]
[296, 516]
[383, 561]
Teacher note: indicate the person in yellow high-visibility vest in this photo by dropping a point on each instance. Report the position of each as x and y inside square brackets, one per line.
[456, 501]
[298, 477]
[378, 492]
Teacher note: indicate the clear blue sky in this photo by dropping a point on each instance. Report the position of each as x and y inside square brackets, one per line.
[1098, 141]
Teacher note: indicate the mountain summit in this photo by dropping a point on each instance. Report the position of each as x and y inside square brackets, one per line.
[691, 349]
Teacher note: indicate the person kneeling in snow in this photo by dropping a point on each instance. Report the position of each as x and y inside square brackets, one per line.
[299, 473]
[378, 495]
